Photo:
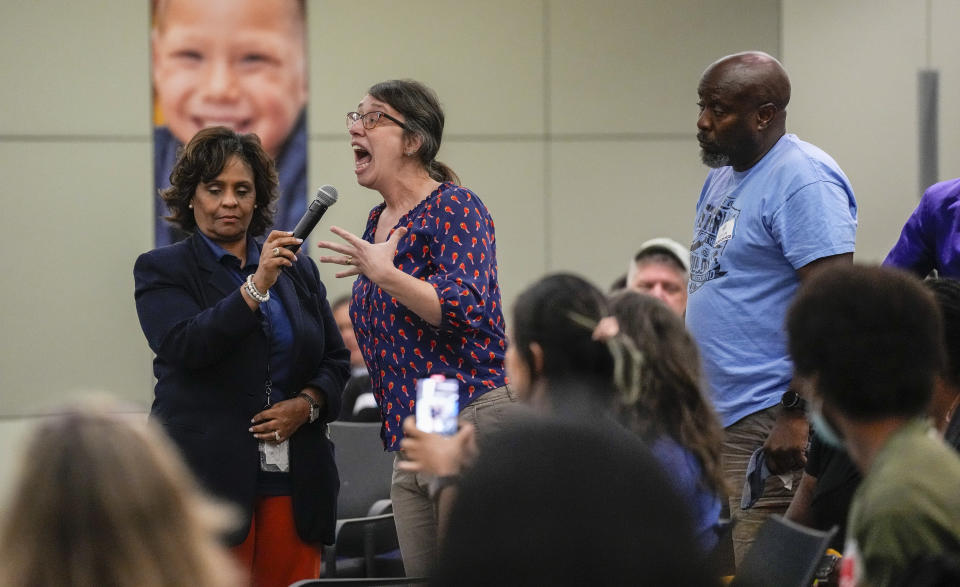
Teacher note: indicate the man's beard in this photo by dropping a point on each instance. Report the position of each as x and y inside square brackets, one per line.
[714, 159]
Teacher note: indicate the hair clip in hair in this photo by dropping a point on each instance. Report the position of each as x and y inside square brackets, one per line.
[606, 329]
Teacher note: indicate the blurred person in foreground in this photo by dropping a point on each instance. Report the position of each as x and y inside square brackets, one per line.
[426, 299]
[102, 499]
[569, 359]
[867, 345]
[830, 478]
[249, 362]
[556, 366]
[564, 502]
[667, 408]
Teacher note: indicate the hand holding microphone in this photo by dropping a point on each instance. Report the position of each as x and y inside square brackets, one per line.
[326, 197]
[280, 248]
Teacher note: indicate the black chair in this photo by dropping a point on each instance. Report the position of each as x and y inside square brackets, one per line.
[784, 554]
[362, 582]
[365, 544]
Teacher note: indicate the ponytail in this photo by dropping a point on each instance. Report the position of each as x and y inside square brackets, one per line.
[441, 172]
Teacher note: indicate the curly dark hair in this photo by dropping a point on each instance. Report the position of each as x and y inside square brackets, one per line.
[203, 159]
[872, 336]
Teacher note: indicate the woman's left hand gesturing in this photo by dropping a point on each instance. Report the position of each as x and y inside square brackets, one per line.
[373, 260]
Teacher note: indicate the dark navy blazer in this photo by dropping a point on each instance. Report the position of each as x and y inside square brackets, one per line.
[211, 367]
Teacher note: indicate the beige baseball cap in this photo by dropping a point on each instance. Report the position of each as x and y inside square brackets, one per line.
[666, 245]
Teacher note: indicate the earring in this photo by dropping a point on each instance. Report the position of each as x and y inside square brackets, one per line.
[409, 153]
[256, 205]
[190, 206]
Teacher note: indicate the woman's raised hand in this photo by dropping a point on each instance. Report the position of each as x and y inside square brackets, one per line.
[373, 260]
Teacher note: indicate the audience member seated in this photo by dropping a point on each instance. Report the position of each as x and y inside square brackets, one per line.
[553, 502]
[822, 499]
[666, 407]
[867, 343]
[830, 478]
[358, 403]
[946, 390]
[104, 500]
[563, 362]
[555, 366]
[661, 269]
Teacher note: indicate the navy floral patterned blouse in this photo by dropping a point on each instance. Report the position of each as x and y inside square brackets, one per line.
[450, 244]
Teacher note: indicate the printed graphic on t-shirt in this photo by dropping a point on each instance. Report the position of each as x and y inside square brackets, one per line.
[713, 230]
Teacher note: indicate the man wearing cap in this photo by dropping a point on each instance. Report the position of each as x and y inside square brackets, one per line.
[773, 210]
[660, 269]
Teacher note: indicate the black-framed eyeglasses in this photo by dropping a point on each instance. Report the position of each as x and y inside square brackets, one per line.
[371, 119]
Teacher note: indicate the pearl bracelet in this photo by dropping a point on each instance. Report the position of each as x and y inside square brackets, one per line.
[254, 292]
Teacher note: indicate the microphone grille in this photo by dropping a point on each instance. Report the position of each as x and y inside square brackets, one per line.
[327, 194]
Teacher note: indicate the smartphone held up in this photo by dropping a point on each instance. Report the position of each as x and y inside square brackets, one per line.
[438, 404]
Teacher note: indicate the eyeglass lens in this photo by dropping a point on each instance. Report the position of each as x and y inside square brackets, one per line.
[370, 119]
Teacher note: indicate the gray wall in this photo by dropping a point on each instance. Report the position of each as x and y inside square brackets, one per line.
[574, 121]
[853, 66]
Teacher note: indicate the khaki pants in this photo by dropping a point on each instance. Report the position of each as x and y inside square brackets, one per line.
[415, 512]
[740, 440]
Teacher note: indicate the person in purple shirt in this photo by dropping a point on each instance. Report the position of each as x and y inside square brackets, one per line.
[426, 299]
[931, 237]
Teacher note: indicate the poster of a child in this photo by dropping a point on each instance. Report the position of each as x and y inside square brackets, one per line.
[235, 63]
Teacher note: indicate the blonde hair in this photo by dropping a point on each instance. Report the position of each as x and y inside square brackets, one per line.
[104, 501]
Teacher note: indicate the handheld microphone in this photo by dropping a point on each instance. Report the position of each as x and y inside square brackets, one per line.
[326, 197]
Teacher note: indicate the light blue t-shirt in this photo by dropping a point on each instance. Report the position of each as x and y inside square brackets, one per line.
[753, 230]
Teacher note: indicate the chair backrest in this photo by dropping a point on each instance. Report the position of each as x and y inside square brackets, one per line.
[365, 468]
[362, 582]
[784, 553]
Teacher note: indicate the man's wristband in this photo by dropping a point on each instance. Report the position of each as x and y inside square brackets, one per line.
[791, 400]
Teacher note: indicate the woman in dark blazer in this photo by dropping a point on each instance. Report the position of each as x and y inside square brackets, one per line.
[249, 362]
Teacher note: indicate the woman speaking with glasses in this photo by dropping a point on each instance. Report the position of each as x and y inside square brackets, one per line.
[426, 298]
